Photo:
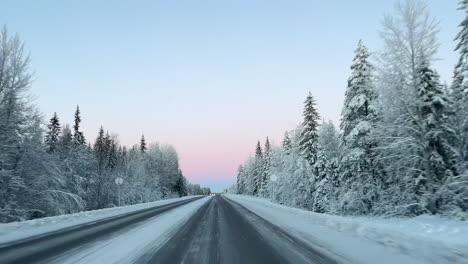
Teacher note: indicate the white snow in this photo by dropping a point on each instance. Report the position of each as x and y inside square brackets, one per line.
[424, 239]
[128, 246]
[19, 230]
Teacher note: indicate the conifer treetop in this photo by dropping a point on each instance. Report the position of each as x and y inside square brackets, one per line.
[143, 147]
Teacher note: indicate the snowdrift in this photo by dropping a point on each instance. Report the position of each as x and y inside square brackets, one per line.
[424, 239]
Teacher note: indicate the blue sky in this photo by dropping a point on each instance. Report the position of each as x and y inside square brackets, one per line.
[210, 77]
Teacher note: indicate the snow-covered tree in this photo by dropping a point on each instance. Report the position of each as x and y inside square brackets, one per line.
[286, 142]
[414, 130]
[143, 144]
[459, 91]
[46, 174]
[66, 139]
[291, 175]
[456, 188]
[308, 143]
[100, 150]
[53, 133]
[240, 186]
[439, 157]
[327, 180]
[31, 185]
[459, 98]
[266, 168]
[112, 154]
[357, 123]
[180, 186]
[258, 169]
[78, 137]
[15, 79]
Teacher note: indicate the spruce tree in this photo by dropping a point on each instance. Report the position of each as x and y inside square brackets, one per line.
[439, 157]
[267, 155]
[100, 150]
[357, 123]
[142, 144]
[180, 186]
[309, 135]
[66, 139]
[454, 192]
[240, 181]
[359, 98]
[258, 150]
[258, 168]
[286, 142]
[358, 114]
[326, 167]
[112, 155]
[459, 90]
[53, 133]
[78, 137]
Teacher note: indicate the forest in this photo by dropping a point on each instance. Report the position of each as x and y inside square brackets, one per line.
[401, 148]
[49, 168]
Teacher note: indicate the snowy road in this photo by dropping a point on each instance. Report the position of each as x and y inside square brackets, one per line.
[206, 230]
[224, 232]
[227, 229]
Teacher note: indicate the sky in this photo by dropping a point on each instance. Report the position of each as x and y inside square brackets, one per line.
[210, 77]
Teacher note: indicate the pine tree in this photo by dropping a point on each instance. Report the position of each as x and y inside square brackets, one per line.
[142, 144]
[78, 137]
[309, 136]
[53, 133]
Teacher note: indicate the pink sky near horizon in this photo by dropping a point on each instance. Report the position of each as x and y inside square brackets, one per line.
[211, 161]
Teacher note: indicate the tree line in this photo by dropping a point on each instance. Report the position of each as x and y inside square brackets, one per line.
[402, 144]
[52, 170]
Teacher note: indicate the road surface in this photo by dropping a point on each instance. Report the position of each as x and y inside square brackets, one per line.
[215, 230]
[222, 231]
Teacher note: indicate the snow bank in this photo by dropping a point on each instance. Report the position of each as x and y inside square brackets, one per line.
[19, 230]
[424, 239]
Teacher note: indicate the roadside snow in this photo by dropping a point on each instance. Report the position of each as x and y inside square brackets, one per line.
[424, 239]
[431, 227]
[18, 230]
[132, 245]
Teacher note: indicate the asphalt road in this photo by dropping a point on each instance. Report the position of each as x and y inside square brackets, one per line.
[42, 247]
[220, 231]
[223, 231]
